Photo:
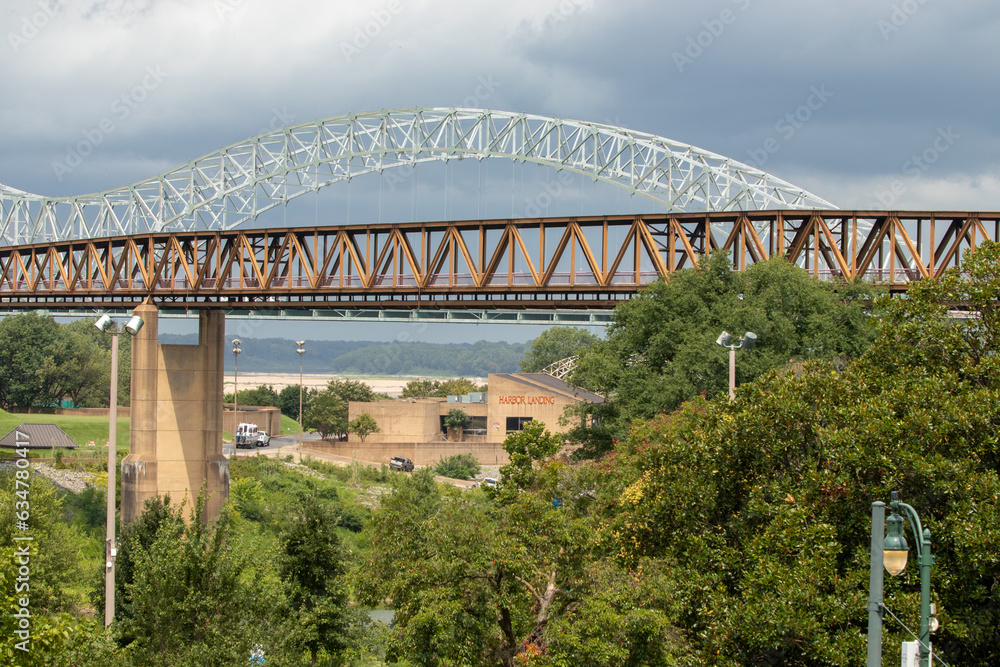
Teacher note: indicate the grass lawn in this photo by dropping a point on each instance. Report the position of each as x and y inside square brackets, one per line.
[80, 429]
[289, 425]
[84, 429]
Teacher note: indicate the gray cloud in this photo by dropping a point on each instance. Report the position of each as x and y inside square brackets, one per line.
[754, 62]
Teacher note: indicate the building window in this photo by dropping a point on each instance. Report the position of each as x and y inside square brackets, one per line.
[477, 426]
[515, 424]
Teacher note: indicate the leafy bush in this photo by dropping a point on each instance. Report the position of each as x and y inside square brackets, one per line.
[246, 495]
[352, 518]
[457, 418]
[93, 506]
[459, 466]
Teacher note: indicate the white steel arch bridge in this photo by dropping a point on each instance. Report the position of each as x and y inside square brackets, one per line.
[225, 189]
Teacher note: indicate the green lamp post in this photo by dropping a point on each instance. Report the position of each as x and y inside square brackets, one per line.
[894, 553]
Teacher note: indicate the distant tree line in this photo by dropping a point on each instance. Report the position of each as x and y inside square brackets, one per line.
[277, 355]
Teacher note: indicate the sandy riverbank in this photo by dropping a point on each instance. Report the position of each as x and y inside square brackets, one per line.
[393, 386]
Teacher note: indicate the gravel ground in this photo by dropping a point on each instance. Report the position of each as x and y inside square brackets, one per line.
[71, 480]
[488, 471]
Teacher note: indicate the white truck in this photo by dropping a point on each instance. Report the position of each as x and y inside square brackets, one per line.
[245, 436]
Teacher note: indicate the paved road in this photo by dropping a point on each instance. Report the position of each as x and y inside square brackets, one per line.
[277, 444]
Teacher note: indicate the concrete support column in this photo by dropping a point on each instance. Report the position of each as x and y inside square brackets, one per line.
[139, 470]
[211, 339]
[176, 433]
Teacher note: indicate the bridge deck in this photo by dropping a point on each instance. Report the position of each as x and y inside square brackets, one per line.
[578, 263]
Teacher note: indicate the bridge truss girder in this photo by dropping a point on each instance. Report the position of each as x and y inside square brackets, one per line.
[236, 184]
[577, 263]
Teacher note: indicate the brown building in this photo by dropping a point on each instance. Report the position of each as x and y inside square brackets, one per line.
[414, 427]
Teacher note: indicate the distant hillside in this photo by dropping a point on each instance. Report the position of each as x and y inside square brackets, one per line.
[277, 355]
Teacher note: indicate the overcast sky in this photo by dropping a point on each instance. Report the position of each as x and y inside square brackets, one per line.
[863, 102]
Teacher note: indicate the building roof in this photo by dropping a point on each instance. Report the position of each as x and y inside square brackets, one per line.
[37, 436]
[546, 381]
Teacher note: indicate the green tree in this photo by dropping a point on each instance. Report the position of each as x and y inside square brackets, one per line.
[198, 596]
[52, 639]
[457, 418]
[327, 414]
[420, 389]
[766, 498]
[436, 388]
[660, 348]
[459, 466]
[351, 390]
[288, 400]
[263, 395]
[81, 364]
[27, 341]
[135, 538]
[56, 569]
[458, 387]
[364, 425]
[527, 450]
[555, 344]
[477, 588]
[98, 393]
[312, 565]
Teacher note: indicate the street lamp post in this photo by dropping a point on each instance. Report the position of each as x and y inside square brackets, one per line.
[896, 551]
[105, 324]
[301, 350]
[746, 343]
[893, 553]
[236, 390]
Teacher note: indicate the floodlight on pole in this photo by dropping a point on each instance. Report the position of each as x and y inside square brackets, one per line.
[105, 324]
[133, 325]
[747, 342]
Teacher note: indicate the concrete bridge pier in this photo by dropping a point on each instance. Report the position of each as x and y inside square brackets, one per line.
[175, 443]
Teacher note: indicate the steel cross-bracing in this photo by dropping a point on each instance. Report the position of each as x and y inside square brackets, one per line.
[236, 184]
[577, 263]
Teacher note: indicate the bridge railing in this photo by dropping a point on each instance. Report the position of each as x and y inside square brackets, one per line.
[599, 260]
[893, 275]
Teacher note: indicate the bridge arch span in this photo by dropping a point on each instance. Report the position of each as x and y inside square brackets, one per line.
[236, 184]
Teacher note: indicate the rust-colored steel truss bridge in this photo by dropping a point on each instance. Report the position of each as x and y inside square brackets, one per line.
[553, 263]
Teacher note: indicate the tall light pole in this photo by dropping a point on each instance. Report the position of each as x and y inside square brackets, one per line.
[875, 586]
[105, 324]
[746, 343]
[236, 390]
[301, 350]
